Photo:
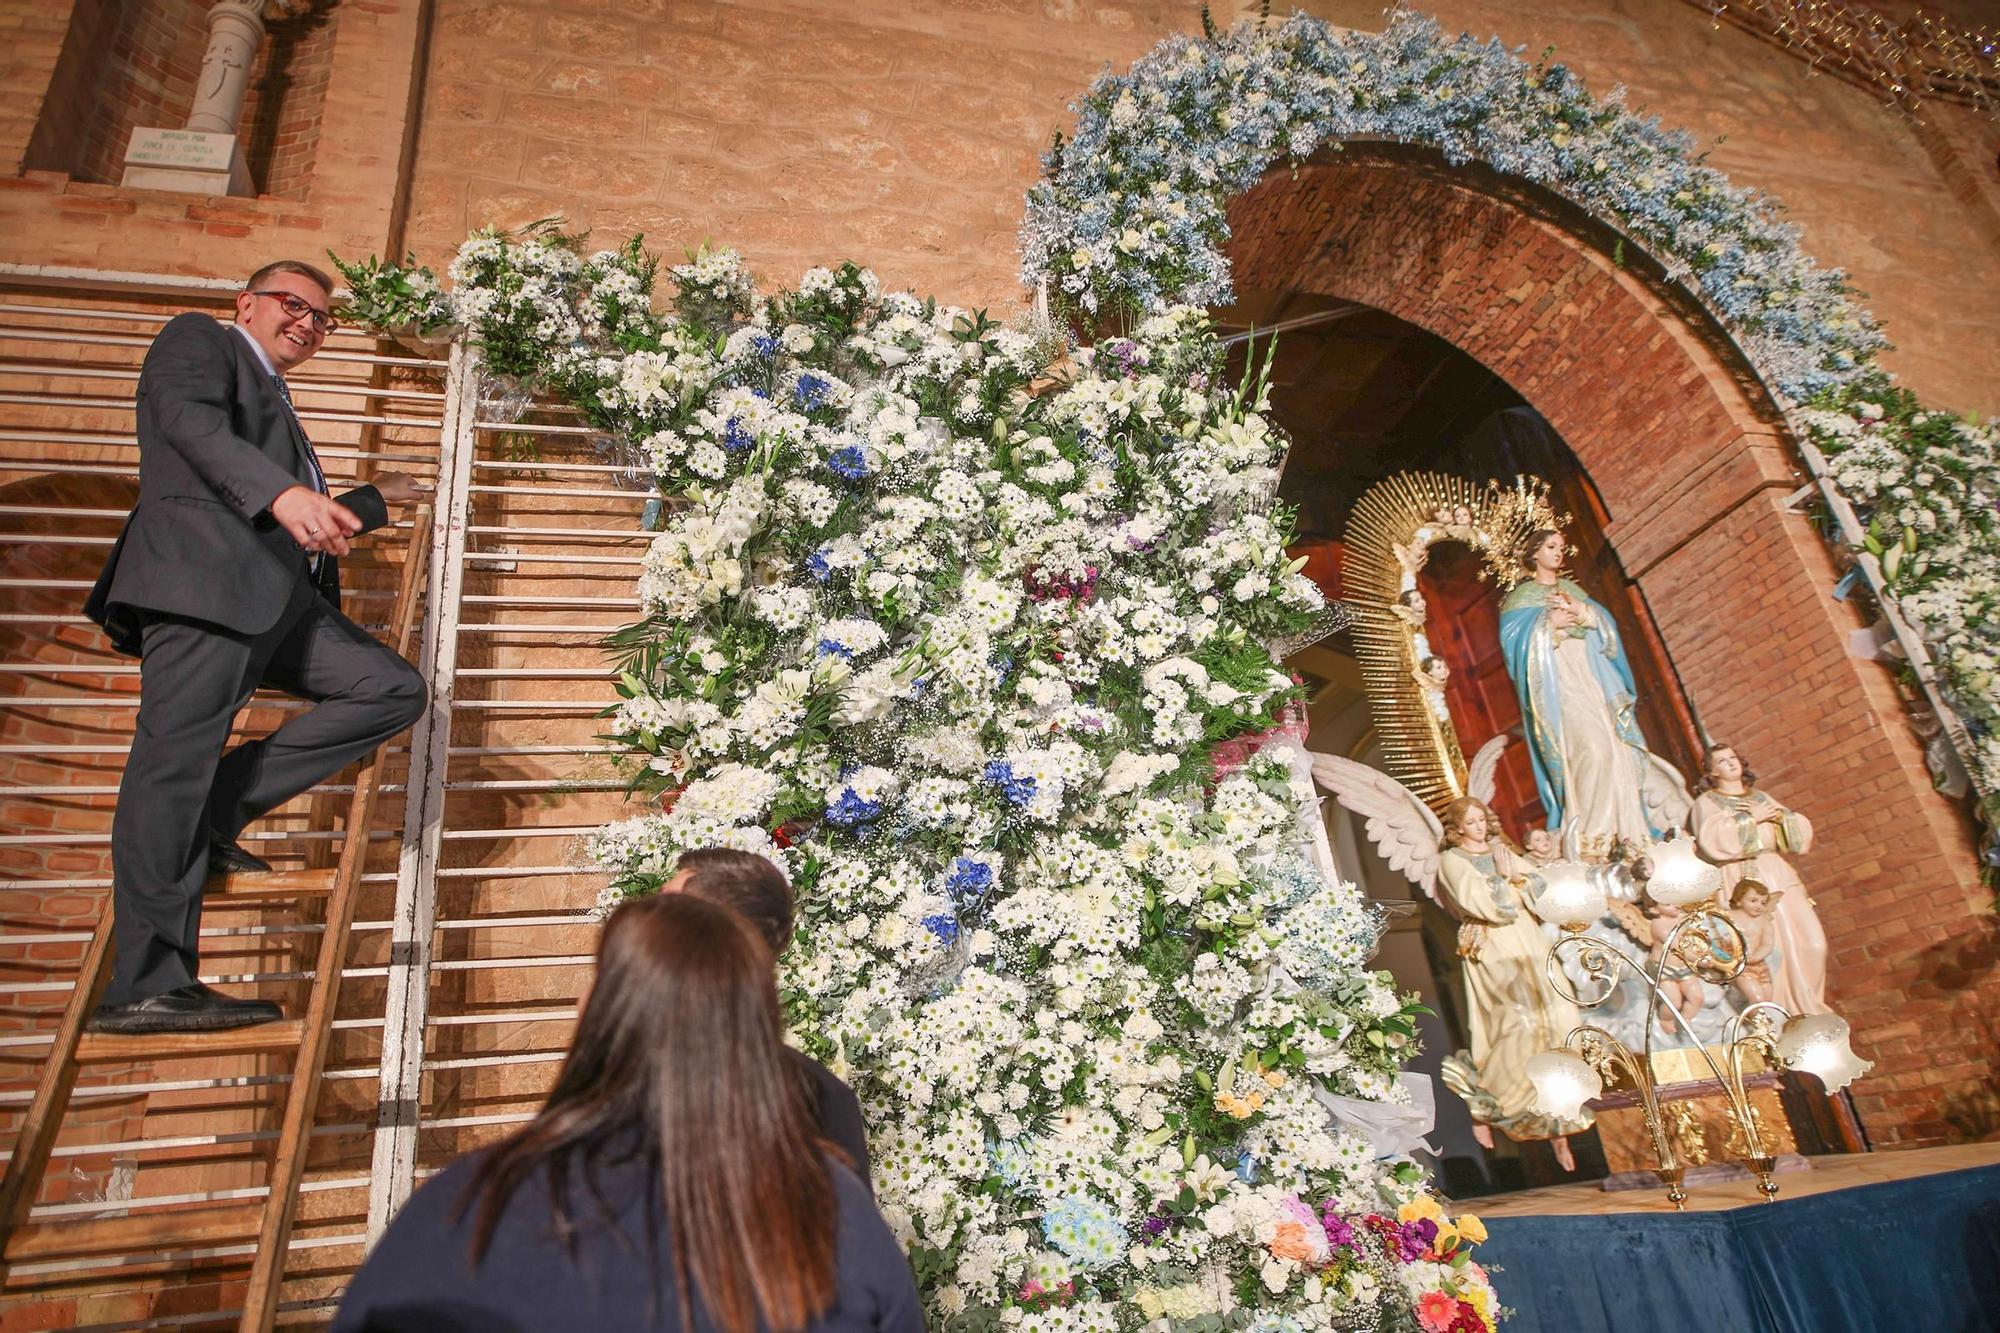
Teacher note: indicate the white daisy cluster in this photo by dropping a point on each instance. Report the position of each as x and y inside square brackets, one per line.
[980, 650]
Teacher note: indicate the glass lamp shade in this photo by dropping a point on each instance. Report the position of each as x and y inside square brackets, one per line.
[1570, 895]
[1817, 1044]
[1680, 876]
[1563, 1083]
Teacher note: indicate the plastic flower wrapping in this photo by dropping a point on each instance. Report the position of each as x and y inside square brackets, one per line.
[977, 643]
[1130, 218]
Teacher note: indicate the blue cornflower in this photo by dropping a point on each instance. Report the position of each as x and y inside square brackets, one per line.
[817, 566]
[835, 648]
[850, 462]
[943, 925]
[849, 810]
[765, 345]
[810, 392]
[735, 438]
[968, 878]
[1017, 790]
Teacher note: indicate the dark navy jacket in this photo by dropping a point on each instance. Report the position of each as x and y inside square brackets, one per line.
[420, 1278]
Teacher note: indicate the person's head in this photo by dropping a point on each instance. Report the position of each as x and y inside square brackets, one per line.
[744, 882]
[1437, 669]
[1541, 842]
[1721, 764]
[1541, 549]
[1468, 820]
[1751, 897]
[287, 306]
[1462, 516]
[1411, 599]
[679, 1055]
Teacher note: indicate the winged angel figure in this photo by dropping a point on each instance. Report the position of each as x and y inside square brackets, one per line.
[1464, 863]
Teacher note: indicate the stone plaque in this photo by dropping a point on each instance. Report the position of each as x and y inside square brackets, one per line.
[187, 150]
[191, 161]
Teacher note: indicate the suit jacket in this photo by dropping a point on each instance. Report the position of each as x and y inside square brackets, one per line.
[216, 446]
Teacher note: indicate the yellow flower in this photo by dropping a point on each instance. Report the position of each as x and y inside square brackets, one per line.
[1472, 1229]
[1421, 1207]
[1275, 1077]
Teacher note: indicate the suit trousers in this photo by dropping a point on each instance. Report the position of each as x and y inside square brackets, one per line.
[180, 789]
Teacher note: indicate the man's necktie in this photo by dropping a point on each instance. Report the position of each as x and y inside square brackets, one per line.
[312, 458]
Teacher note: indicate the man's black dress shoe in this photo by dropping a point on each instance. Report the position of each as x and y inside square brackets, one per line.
[195, 1008]
[227, 858]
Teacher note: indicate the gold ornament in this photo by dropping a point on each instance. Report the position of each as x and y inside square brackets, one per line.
[1906, 63]
[1388, 540]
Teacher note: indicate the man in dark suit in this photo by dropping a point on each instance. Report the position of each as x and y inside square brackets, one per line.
[225, 579]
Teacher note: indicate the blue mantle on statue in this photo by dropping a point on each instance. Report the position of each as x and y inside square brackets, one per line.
[1919, 1254]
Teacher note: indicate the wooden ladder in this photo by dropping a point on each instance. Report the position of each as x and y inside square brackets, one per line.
[267, 1221]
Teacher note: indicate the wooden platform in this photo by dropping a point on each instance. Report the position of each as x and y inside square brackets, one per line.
[1587, 1199]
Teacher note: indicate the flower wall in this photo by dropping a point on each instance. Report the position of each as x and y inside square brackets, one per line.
[1130, 217]
[983, 649]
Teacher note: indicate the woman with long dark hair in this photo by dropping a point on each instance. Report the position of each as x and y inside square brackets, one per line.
[675, 1180]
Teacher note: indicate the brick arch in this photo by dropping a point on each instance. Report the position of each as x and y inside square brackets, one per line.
[1694, 464]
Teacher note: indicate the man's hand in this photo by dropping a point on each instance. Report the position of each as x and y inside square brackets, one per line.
[316, 522]
[398, 488]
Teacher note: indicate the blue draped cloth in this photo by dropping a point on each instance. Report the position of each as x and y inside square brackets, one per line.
[1921, 1255]
[1528, 645]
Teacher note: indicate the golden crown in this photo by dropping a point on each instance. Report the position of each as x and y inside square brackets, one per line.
[1508, 514]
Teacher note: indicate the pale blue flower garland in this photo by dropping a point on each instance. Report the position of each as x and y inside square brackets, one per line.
[1130, 216]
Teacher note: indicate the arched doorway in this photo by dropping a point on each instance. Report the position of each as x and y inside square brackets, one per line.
[1688, 456]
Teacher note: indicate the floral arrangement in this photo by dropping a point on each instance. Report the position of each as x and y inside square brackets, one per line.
[1130, 218]
[979, 647]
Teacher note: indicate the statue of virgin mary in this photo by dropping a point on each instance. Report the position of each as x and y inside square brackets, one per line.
[1596, 777]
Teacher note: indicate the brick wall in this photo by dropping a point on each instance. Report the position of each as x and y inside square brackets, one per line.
[353, 64]
[126, 64]
[905, 136]
[1694, 475]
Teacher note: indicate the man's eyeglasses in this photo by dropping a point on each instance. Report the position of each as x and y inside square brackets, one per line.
[298, 308]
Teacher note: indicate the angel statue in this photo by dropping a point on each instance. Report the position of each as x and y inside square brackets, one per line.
[1466, 865]
[1598, 781]
[1749, 835]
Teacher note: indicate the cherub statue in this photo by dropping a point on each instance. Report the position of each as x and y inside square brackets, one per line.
[1461, 524]
[1431, 675]
[1650, 923]
[1410, 608]
[1750, 911]
[1540, 845]
[1465, 864]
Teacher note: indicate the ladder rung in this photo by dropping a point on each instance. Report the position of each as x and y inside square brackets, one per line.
[276, 884]
[214, 1225]
[137, 1048]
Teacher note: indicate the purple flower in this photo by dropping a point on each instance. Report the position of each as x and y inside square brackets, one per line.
[1339, 1231]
